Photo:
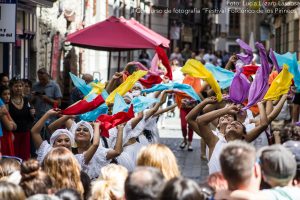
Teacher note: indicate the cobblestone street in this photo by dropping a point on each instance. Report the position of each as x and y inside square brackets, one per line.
[190, 163]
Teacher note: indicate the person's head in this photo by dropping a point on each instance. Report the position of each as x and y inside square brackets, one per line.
[68, 194]
[83, 132]
[144, 183]
[160, 157]
[278, 165]
[10, 191]
[110, 185]
[217, 181]
[235, 131]
[61, 164]
[27, 87]
[130, 68]
[86, 182]
[43, 197]
[137, 89]
[5, 93]
[294, 147]
[16, 86]
[8, 166]
[61, 138]
[43, 76]
[224, 120]
[181, 189]
[34, 180]
[187, 46]
[88, 78]
[4, 80]
[239, 167]
[176, 50]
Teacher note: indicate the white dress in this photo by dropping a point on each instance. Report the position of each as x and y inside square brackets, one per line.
[43, 150]
[96, 163]
[129, 156]
[214, 161]
[151, 125]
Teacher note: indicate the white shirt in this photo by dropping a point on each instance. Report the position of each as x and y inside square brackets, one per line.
[214, 161]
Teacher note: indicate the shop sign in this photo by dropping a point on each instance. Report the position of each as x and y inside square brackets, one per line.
[7, 20]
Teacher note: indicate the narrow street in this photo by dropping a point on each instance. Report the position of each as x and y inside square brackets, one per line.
[190, 163]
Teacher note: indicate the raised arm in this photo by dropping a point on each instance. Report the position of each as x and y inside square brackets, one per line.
[88, 155]
[263, 124]
[153, 110]
[136, 119]
[193, 114]
[113, 83]
[65, 120]
[203, 124]
[118, 147]
[36, 129]
[277, 109]
[163, 110]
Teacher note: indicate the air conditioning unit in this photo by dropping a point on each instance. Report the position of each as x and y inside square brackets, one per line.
[160, 3]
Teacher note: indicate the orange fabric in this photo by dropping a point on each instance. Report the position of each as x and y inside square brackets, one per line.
[272, 76]
[253, 108]
[189, 80]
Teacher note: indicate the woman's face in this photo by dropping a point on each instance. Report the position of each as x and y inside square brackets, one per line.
[62, 141]
[26, 89]
[225, 120]
[82, 134]
[136, 91]
[234, 130]
[5, 96]
[17, 88]
[5, 81]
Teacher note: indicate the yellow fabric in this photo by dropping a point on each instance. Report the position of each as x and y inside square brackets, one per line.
[196, 69]
[126, 85]
[280, 85]
[97, 88]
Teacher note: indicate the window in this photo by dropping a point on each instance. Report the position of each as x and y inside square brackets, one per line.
[234, 24]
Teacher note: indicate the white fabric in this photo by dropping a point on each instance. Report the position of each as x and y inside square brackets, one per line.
[85, 124]
[177, 75]
[151, 125]
[132, 133]
[60, 132]
[284, 113]
[96, 163]
[42, 151]
[143, 140]
[282, 193]
[214, 161]
[129, 155]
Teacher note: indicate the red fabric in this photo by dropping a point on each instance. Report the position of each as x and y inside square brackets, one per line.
[151, 80]
[165, 61]
[7, 146]
[22, 145]
[110, 121]
[249, 70]
[117, 34]
[185, 128]
[83, 106]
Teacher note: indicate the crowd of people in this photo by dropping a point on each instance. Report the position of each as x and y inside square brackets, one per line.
[48, 153]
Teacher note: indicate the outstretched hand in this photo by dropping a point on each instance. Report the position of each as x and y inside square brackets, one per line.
[211, 100]
[54, 112]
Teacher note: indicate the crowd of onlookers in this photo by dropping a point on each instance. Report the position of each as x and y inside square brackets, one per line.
[251, 154]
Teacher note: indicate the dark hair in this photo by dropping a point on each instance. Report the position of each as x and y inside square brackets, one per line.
[144, 183]
[14, 81]
[3, 88]
[34, 180]
[237, 160]
[181, 189]
[86, 182]
[68, 194]
[28, 81]
[3, 75]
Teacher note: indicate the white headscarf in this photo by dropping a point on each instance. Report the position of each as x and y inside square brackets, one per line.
[138, 84]
[85, 124]
[60, 132]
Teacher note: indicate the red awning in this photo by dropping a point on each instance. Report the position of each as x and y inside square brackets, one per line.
[117, 34]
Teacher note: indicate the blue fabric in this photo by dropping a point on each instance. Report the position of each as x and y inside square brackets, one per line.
[140, 103]
[223, 76]
[119, 104]
[80, 84]
[170, 86]
[94, 114]
[291, 60]
[92, 96]
[1, 132]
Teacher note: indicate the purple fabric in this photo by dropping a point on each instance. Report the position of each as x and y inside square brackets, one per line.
[239, 89]
[297, 123]
[260, 84]
[246, 57]
[274, 60]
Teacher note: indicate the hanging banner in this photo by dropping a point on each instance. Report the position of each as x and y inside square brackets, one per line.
[55, 56]
[7, 20]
